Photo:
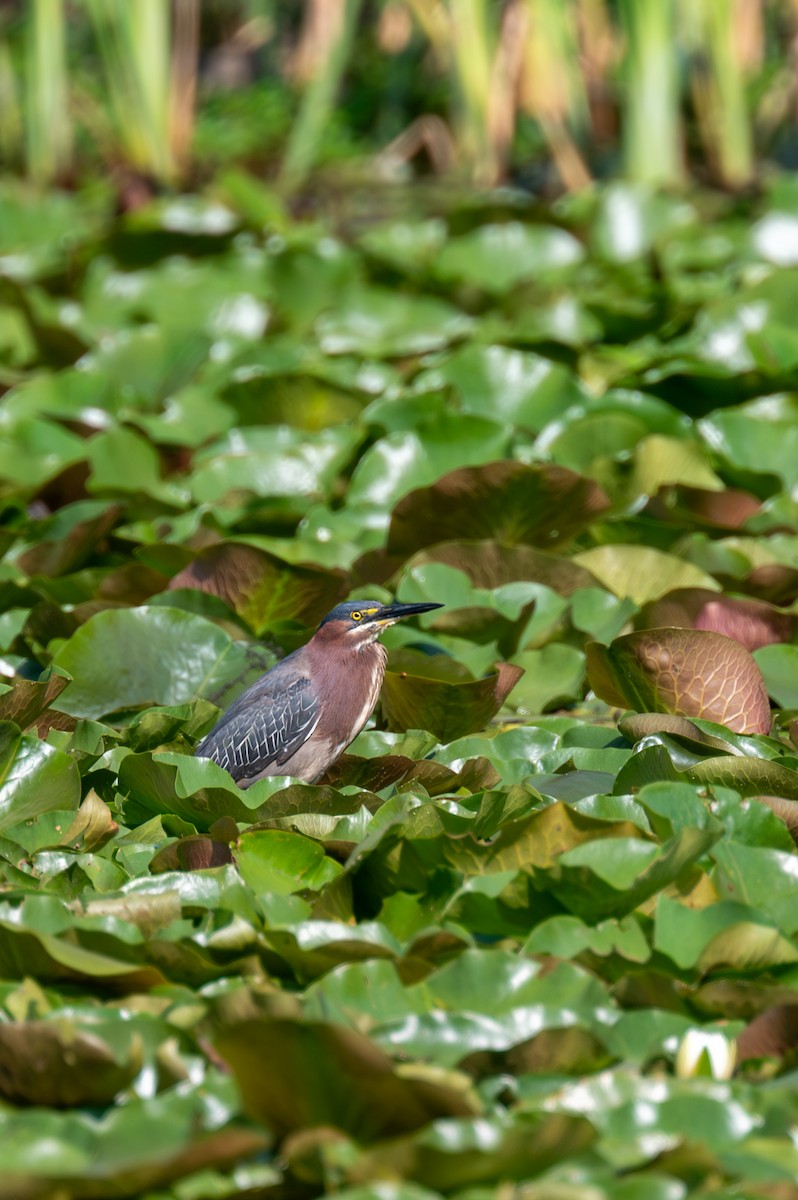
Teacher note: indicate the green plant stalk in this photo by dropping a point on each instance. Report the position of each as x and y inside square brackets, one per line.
[47, 128]
[11, 138]
[724, 119]
[472, 53]
[651, 116]
[318, 102]
[556, 84]
[134, 42]
[553, 87]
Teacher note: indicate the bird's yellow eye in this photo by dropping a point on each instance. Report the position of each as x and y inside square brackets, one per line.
[356, 616]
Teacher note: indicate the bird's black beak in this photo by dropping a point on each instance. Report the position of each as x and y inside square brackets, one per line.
[395, 612]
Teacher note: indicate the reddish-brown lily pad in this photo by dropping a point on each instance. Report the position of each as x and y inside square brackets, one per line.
[693, 673]
[726, 509]
[262, 588]
[438, 694]
[27, 699]
[752, 623]
[509, 502]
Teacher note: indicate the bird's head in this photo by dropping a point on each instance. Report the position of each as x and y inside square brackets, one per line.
[360, 621]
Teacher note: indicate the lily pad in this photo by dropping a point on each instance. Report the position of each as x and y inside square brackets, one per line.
[508, 502]
[689, 673]
[419, 693]
[128, 658]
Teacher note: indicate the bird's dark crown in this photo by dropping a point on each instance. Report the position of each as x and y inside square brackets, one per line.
[367, 612]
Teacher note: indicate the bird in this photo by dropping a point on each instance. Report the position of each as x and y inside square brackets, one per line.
[300, 716]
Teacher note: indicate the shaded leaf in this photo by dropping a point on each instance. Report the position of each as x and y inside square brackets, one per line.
[26, 699]
[193, 853]
[510, 502]
[772, 1034]
[449, 705]
[293, 1076]
[752, 623]
[260, 588]
[58, 1065]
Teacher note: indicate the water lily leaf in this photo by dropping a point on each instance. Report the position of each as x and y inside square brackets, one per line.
[612, 876]
[752, 443]
[37, 227]
[409, 246]
[189, 418]
[148, 360]
[57, 1064]
[124, 461]
[730, 508]
[726, 934]
[404, 460]
[786, 810]
[748, 776]
[535, 841]
[68, 538]
[660, 460]
[760, 877]
[773, 582]
[641, 572]
[28, 947]
[260, 587]
[194, 788]
[26, 699]
[568, 937]
[196, 852]
[296, 1075]
[772, 1034]
[379, 323]
[126, 658]
[636, 726]
[273, 860]
[513, 385]
[553, 675]
[489, 564]
[631, 219]
[451, 1155]
[497, 258]
[510, 502]
[278, 461]
[34, 778]
[93, 825]
[375, 774]
[600, 614]
[752, 623]
[143, 1143]
[687, 672]
[778, 665]
[37, 452]
[416, 694]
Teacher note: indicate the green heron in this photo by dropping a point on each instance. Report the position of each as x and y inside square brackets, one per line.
[300, 716]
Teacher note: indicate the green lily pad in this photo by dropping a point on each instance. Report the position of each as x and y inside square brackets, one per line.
[499, 257]
[382, 324]
[128, 658]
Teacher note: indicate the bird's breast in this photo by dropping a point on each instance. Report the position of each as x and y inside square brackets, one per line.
[353, 692]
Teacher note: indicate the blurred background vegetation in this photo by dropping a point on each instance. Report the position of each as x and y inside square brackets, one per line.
[546, 94]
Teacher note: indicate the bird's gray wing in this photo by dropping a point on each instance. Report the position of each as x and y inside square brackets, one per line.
[265, 726]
